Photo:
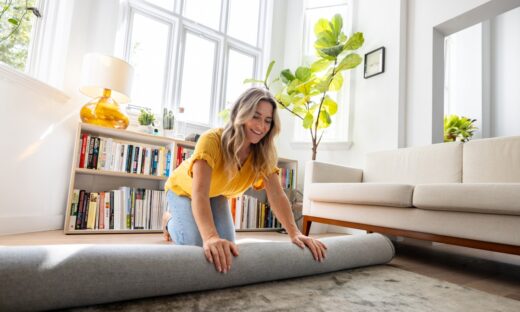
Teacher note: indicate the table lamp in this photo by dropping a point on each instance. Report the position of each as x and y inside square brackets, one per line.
[107, 80]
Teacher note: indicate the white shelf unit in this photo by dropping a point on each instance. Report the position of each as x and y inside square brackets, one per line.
[95, 180]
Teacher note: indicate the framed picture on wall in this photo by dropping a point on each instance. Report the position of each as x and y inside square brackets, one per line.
[374, 62]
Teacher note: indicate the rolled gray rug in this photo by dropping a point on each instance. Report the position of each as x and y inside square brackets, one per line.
[61, 276]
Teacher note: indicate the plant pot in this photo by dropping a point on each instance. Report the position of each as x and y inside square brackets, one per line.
[169, 133]
[145, 129]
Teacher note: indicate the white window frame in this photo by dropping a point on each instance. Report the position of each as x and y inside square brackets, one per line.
[301, 138]
[180, 25]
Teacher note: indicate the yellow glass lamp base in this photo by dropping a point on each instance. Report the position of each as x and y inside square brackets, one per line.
[104, 111]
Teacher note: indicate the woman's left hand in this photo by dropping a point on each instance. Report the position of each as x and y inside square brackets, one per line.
[316, 247]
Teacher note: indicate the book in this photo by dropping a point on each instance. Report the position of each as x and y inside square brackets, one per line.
[83, 150]
[92, 211]
[74, 209]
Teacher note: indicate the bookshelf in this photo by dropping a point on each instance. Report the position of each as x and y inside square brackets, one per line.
[135, 177]
[110, 175]
[251, 212]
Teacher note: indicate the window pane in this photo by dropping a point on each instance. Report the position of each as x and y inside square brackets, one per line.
[148, 56]
[166, 4]
[14, 50]
[243, 20]
[312, 16]
[206, 12]
[197, 78]
[240, 67]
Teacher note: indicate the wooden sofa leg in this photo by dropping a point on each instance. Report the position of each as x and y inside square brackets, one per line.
[306, 225]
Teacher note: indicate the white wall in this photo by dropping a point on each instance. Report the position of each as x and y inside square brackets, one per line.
[423, 16]
[375, 102]
[505, 74]
[38, 124]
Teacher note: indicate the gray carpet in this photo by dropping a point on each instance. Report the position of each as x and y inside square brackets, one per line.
[377, 288]
[34, 278]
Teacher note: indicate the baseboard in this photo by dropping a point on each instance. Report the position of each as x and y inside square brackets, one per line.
[27, 224]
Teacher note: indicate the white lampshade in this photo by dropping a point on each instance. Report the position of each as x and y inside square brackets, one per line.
[101, 72]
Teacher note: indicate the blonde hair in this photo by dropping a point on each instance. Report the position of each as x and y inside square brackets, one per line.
[264, 155]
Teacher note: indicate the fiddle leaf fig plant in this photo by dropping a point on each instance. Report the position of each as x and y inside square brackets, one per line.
[457, 128]
[306, 91]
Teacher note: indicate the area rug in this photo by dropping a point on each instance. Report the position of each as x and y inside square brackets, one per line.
[376, 288]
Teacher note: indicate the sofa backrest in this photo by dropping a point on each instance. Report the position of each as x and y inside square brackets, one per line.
[437, 163]
[492, 160]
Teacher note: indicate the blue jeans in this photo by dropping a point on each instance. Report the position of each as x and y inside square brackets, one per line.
[182, 226]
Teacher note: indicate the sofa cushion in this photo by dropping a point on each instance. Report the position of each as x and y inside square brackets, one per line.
[493, 198]
[492, 160]
[380, 194]
[437, 163]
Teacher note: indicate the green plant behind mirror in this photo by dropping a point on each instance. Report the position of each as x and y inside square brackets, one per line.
[146, 118]
[15, 31]
[306, 91]
[458, 128]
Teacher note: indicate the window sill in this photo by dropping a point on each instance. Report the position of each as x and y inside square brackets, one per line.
[16, 76]
[327, 146]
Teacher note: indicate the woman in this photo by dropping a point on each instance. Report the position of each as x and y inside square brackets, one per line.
[225, 163]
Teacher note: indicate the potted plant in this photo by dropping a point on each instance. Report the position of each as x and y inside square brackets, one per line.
[458, 128]
[168, 120]
[305, 92]
[146, 121]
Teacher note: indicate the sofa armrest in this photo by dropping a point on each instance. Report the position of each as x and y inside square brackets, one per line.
[318, 172]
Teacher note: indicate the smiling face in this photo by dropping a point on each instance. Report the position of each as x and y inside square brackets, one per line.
[258, 126]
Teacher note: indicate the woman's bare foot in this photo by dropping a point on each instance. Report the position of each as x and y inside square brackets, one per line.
[165, 218]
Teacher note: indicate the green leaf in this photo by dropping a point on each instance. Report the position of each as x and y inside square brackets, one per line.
[323, 85]
[322, 26]
[13, 21]
[268, 73]
[337, 24]
[350, 61]
[320, 65]
[330, 106]
[326, 40]
[252, 80]
[333, 51]
[323, 55]
[307, 121]
[313, 108]
[287, 76]
[354, 42]
[300, 111]
[324, 120]
[336, 83]
[303, 73]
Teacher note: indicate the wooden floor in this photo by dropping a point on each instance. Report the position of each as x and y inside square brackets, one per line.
[491, 277]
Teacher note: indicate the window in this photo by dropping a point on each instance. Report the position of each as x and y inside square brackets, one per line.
[313, 11]
[17, 30]
[199, 55]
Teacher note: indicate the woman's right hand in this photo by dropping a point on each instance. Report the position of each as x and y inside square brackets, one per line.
[219, 252]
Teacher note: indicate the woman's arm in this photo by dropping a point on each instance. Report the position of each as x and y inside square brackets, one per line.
[282, 210]
[216, 249]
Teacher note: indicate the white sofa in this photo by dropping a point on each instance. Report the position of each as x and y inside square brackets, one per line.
[465, 194]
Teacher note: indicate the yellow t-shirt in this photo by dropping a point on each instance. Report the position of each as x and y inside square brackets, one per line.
[208, 148]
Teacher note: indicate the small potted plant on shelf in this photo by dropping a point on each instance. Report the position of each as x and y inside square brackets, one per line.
[146, 121]
[168, 120]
